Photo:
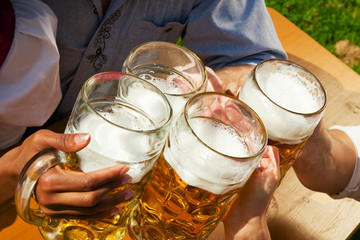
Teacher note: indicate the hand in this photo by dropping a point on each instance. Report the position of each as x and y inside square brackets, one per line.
[66, 194]
[75, 194]
[246, 217]
[214, 83]
[228, 79]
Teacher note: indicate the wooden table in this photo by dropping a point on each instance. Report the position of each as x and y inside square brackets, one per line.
[295, 212]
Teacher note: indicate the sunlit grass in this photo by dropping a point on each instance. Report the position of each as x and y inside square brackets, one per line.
[326, 21]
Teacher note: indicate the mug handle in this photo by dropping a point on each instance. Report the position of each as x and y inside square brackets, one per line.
[28, 178]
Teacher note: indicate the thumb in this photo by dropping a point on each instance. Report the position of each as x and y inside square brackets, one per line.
[64, 142]
[214, 83]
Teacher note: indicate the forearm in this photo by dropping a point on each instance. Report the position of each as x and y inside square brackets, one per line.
[328, 161]
[9, 172]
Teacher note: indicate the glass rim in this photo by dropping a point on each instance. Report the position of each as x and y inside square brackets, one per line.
[191, 53]
[200, 95]
[283, 61]
[121, 75]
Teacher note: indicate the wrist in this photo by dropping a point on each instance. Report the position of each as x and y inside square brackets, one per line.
[237, 227]
[9, 171]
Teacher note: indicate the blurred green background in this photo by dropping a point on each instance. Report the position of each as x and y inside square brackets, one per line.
[328, 22]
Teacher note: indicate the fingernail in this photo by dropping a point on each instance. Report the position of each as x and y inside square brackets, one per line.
[81, 138]
[114, 211]
[129, 193]
[126, 179]
[124, 170]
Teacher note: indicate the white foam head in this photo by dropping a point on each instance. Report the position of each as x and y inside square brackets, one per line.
[150, 102]
[291, 90]
[168, 87]
[172, 91]
[201, 167]
[111, 145]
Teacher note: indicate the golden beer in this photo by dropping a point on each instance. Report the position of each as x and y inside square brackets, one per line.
[172, 209]
[205, 162]
[289, 100]
[128, 121]
[288, 154]
[105, 229]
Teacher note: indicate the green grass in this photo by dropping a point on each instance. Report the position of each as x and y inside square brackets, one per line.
[326, 21]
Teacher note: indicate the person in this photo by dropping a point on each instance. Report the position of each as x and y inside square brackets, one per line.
[29, 72]
[330, 161]
[81, 195]
[246, 218]
[29, 93]
[96, 36]
[229, 36]
[65, 193]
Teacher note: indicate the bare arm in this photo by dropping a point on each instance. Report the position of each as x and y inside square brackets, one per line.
[246, 218]
[9, 176]
[327, 161]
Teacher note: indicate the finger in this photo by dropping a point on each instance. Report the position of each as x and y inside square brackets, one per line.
[214, 82]
[43, 139]
[107, 204]
[82, 199]
[108, 213]
[271, 159]
[59, 180]
[217, 109]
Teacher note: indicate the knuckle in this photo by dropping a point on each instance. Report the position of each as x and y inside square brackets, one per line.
[64, 140]
[86, 184]
[46, 182]
[38, 136]
[43, 201]
[91, 199]
[46, 211]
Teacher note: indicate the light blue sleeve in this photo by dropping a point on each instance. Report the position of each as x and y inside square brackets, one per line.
[232, 32]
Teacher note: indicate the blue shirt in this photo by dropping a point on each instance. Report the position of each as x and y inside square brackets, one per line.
[221, 32]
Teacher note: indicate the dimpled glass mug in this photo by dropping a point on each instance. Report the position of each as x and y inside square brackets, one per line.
[128, 120]
[212, 149]
[175, 70]
[290, 100]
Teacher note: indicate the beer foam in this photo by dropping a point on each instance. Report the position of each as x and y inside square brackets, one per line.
[111, 145]
[169, 88]
[291, 90]
[220, 137]
[201, 167]
[293, 93]
[150, 102]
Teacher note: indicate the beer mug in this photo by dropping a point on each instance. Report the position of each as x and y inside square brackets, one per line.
[290, 101]
[128, 120]
[175, 70]
[212, 149]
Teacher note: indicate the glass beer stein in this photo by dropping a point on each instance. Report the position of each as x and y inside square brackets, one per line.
[212, 149]
[128, 120]
[290, 101]
[175, 70]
